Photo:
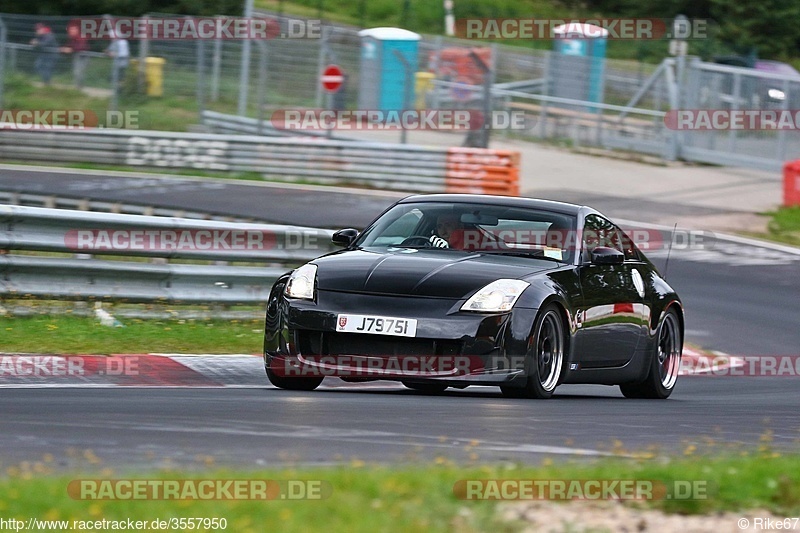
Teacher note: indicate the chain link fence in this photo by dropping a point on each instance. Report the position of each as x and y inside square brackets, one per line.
[711, 86]
[614, 104]
[290, 68]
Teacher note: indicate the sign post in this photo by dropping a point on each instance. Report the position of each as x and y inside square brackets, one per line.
[332, 80]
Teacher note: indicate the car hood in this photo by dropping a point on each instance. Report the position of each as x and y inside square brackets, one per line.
[433, 273]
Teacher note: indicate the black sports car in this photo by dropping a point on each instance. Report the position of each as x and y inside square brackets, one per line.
[456, 290]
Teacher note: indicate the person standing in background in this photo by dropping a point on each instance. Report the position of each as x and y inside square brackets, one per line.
[78, 46]
[119, 51]
[46, 48]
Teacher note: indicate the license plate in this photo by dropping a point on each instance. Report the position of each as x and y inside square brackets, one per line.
[377, 325]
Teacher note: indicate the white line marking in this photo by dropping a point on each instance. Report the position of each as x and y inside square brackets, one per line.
[346, 435]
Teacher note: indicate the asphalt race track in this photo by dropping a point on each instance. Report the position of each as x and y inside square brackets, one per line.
[740, 299]
[319, 207]
[266, 426]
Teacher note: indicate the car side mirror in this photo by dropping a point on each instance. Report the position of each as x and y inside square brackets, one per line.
[607, 256]
[344, 237]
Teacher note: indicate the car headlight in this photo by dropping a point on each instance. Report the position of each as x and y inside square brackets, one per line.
[496, 297]
[301, 282]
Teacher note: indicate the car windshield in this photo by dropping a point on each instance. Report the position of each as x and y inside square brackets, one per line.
[470, 227]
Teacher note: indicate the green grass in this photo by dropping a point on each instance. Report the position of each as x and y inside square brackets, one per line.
[785, 225]
[78, 335]
[428, 18]
[399, 498]
[170, 113]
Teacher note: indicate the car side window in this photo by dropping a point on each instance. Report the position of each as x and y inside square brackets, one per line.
[597, 232]
[628, 248]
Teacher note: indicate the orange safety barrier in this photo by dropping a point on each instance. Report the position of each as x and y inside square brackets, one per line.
[482, 171]
[791, 183]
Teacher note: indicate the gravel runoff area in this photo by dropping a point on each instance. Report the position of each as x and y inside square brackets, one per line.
[614, 516]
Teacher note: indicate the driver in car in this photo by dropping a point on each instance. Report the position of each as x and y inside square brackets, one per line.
[449, 232]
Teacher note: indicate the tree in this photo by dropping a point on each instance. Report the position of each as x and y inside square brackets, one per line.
[131, 8]
[770, 26]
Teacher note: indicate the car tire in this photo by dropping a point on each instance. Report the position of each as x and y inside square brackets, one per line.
[427, 388]
[665, 362]
[293, 383]
[544, 360]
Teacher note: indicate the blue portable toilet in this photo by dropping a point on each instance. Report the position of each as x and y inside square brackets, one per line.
[382, 75]
[578, 64]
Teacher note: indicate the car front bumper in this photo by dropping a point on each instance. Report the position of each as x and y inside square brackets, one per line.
[451, 346]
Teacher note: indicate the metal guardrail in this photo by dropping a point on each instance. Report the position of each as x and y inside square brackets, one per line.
[85, 204]
[235, 124]
[83, 277]
[381, 165]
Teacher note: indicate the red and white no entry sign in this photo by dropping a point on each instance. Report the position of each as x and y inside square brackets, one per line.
[332, 78]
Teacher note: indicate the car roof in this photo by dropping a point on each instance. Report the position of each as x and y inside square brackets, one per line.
[505, 201]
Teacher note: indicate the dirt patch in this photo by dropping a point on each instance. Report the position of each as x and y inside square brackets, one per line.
[611, 516]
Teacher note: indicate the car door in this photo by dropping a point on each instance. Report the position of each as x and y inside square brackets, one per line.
[610, 314]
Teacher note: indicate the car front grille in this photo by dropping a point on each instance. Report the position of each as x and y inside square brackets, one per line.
[330, 343]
